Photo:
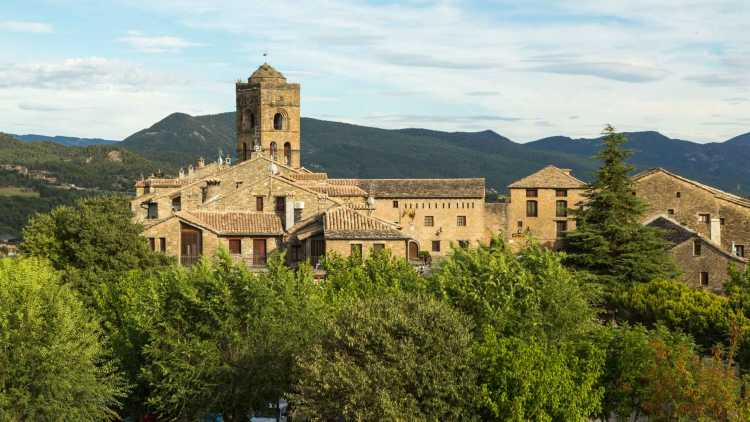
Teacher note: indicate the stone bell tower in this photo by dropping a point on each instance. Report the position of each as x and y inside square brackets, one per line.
[268, 117]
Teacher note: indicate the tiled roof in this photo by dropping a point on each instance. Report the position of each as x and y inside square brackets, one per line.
[549, 177]
[236, 223]
[309, 176]
[338, 190]
[345, 223]
[160, 183]
[717, 192]
[266, 72]
[421, 188]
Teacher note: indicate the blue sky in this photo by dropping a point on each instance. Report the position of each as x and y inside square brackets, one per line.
[526, 69]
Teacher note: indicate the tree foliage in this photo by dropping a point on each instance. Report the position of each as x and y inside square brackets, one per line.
[390, 357]
[536, 336]
[609, 239]
[90, 241]
[53, 364]
[225, 340]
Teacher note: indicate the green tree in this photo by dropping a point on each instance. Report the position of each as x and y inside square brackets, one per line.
[609, 240]
[91, 241]
[225, 339]
[709, 318]
[379, 273]
[389, 357]
[536, 336]
[53, 365]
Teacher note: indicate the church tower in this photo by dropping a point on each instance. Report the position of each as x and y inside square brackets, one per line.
[268, 117]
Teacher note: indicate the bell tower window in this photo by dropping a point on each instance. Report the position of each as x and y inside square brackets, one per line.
[278, 121]
[288, 153]
[274, 152]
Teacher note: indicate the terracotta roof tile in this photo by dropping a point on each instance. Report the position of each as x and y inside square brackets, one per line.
[549, 177]
[419, 188]
[309, 176]
[236, 223]
[338, 190]
[345, 223]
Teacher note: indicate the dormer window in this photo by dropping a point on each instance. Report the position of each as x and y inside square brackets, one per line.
[153, 210]
[176, 203]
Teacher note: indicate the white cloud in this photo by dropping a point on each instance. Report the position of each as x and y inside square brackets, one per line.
[26, 27]
[156, 44]
[89, 73]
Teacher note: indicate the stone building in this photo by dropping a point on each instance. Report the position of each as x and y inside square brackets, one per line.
[267, 201]
[540, 206]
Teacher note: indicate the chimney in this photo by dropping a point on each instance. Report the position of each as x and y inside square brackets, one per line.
[191, 170]
[289, 213]
[201, 163]
[715, 231]
[181, 174]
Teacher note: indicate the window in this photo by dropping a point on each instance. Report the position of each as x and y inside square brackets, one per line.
[722, 221]
[278, 121]
[378, 247]
[670, 211]
[463, 244]
[297, 215]
[704, 218]
[561, 209]
[561, 228]
[281, 204]
[429, 221]
[395, 204]
[162, 244]
[288, 153]
[274, 151]
[739, 250]
[152, 243]
[235, 246]
[531, 193]
[704, 279]
[258, 203]
[153, 210]
[461, 220]
[561, 193]
[532, 209]
[176, 203]
[697, 247]
[204, 193]
[356, 249]
[244, 151]
[678, 195]
[436, 246]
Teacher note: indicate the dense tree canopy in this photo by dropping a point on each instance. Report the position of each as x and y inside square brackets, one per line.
[392, 357]
[90, 240]
[53, 364]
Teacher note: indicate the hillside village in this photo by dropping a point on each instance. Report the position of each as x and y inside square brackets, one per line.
[267, 201]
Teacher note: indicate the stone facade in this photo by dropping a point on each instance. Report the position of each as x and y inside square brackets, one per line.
[540, 207]
[718, 216]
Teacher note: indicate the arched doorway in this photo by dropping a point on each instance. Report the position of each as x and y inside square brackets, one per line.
[413, 251]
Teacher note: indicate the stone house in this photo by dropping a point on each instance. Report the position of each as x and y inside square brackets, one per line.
[703, 263]
[267, 201]
[540, 206]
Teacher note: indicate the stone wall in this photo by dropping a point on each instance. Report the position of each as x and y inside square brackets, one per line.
[543, 227]
[711, 260]
[410, 213]
[343, 247]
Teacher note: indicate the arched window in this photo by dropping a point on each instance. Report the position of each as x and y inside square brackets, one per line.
[274, 154]
[288, 153]
[278, 121]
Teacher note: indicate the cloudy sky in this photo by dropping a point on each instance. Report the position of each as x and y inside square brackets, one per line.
[526, 69]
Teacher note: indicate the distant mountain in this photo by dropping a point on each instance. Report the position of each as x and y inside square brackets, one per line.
[345, 150]
[725, 165]
[64, 140]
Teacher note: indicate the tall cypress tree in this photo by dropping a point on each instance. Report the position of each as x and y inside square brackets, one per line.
[610, 240]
